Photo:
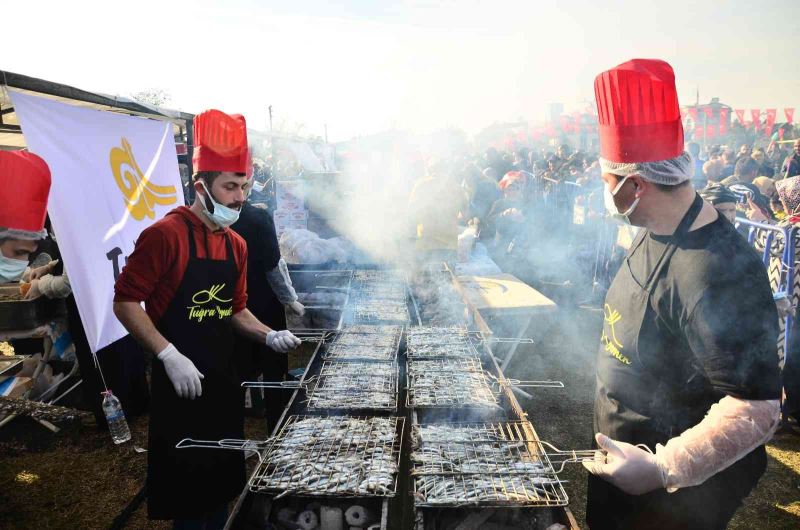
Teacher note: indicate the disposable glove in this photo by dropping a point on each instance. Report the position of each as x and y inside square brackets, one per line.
[628, 467]
[732, 428]
[282, 341]
[182, 373]
[297, 308]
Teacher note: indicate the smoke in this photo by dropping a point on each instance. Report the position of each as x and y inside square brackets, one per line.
[368, 202]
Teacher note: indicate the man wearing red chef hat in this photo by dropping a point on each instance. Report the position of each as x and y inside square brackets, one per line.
[24, 187]
[190, 271]
[687, 369]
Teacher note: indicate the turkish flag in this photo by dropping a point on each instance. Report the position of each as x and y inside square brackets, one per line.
[709, 112]
[740, 115]
[771, 114]
[756, 115]
[723, 121]
[789, 114]
[711, 131]
[693, 113]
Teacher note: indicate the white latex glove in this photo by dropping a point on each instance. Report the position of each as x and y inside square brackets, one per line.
[282, 341]
[182, 373]
[297, 308]
[628, 467]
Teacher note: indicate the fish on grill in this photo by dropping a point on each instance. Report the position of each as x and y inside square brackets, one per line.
[332, 456]
[444, 383]
[465, 464]
[354, 385]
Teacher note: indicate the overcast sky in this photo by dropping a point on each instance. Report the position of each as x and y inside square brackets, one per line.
[365, 66]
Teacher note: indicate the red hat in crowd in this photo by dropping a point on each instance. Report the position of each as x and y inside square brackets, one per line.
[510, 178]
[24, 187]
[638, 112]
[220, 142]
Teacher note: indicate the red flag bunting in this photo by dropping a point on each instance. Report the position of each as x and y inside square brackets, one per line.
[771, 114]
[740, 115]
[789, 114]
[723, 121]
[709, 112]
[756, 116]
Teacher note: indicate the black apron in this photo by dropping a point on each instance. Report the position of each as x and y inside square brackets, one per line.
[643, 400]
[190, 483]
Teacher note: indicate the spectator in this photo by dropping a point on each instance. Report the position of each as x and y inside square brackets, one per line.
[713, 169]
[506, 219]
[791, 166]
[788, 191]
[764, 168]
[745, 150]
[728, 164]
[744, 172]
[776, 155]
[698, 177]
[722, 198]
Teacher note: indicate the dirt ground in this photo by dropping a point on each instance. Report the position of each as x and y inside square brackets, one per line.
[79, 479]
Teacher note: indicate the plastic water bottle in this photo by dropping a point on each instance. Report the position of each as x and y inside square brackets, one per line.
[116, 418]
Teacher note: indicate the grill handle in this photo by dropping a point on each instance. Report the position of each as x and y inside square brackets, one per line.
[286, 385]
[480, 336]
[248, 446]
[529, 384]
[562, 458]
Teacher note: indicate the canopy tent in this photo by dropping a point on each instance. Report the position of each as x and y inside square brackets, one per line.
[11, 136]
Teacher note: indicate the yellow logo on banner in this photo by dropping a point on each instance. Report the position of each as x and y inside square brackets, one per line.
[141, 195]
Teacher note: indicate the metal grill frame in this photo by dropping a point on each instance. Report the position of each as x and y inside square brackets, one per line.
[369, 310]
[339, 352]
[327, 449]
[452, 367]
[328, 370]
[512, 433]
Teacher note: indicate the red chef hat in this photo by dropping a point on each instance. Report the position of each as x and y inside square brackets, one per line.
[220, 142]
[24, 187]
[638, 112]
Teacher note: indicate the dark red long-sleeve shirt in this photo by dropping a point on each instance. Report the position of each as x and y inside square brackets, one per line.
[154, 270]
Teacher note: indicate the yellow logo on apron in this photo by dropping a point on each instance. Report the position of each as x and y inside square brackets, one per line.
[141, 195]
[207, 296]
[610, 342]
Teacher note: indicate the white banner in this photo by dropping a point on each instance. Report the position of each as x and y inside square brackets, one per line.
[113, 176]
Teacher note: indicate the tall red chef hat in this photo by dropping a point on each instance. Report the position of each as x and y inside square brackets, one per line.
[220, 142]
[24, 187]
[638, 112]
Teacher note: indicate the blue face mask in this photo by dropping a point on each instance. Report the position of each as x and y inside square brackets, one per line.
[11, 270]
[222, 216]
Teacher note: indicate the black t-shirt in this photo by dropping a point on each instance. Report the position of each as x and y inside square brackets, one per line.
[711, 310]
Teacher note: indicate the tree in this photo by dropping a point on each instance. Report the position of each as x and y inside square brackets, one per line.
[152, 96]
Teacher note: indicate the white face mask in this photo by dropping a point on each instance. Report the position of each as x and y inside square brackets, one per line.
[608, 199]
[222, 216]
[11, 270]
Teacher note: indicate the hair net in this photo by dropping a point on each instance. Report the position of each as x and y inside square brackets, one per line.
[12, 233]
[670, 172]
